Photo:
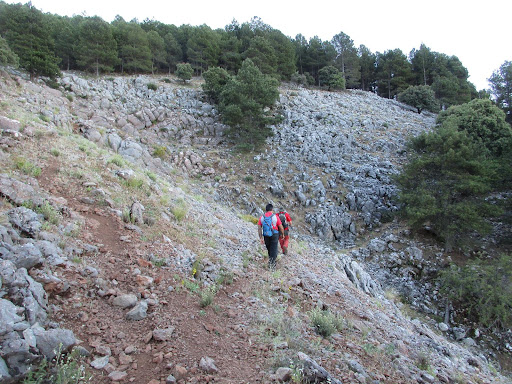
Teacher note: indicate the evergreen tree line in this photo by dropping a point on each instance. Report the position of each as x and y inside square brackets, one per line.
[456, 185]
[47, 43]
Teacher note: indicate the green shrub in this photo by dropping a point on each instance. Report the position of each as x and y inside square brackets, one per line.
[245, 105]
[214, 81]
[134, 183]
[152, 86]
[249, 218]
[207, 296]
[27, 167]
[55, 152]
[325, 322]
[420, 97]
[179, 210]
[152, 176]
[45, 118]
[160, 151]
[159, 262]
[331, 77]
[117, 160]
[49, 213]
[481, 290]
[61, 370]
[191, 285]
[184, 71]
[225, 277]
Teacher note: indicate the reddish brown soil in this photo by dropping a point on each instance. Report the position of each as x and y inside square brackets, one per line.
[217, 331]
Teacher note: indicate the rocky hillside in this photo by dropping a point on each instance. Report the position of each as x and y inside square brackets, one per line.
[127, 235]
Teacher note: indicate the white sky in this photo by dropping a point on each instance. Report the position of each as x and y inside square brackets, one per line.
[477, 32]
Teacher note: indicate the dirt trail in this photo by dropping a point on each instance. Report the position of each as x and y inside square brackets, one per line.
[218, 331]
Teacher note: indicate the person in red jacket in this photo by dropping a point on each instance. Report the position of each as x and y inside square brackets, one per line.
[286, 220]
[270, 230]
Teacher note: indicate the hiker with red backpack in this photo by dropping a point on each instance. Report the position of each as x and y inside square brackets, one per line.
[286, 220]
[270, 231]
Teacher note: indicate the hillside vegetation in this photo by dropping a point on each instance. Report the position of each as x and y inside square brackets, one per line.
[127, 235]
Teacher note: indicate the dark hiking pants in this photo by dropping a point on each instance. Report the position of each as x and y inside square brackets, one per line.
[271, 242]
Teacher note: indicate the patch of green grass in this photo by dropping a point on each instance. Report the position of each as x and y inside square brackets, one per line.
[249, 218]
[75, 174]
[44, 118]
[225, 277]
[179, 209]
[370, 348]
[27, 167]
[117, 160]
[49, 212]
[159, 262]
[152, 176]
[192, 286]
[423, 361]
[63, 369]
[246, 259]
[134, 183]
[152, 86]
[165, 200]
[207, 296]
[325, 322]
[160, 151]
[126, 216]
[55, 152]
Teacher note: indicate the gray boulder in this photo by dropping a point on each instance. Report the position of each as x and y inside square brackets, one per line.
[19, 192]
[25, 256]
[17, 354]
[139, 312]
[8, 316]
[130, 150]
[53, 341]
[125, 301]
[4, 371]
[313, 372]
[26, 220]
[30, 294]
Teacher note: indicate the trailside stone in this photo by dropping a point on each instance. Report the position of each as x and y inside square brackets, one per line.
[100, 362]
[131, 150]
[51, 252]
[284, 374]
[4, 371]
[117, 375]
[207, 364]
[139, 312]
[51, 341]
[163, 334]
[19, 192]
[25, 220]
[25, 256]
[314, 372]
[137, 213]
[8, 316]
[9, 124]
[17, 353]
[125, 301]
